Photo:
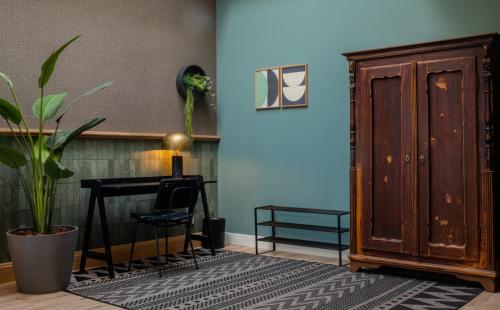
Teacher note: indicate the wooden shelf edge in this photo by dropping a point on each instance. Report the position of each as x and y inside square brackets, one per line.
[119, 135]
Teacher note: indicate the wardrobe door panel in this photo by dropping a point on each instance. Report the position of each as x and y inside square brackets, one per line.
[386, 126]
[448, 189]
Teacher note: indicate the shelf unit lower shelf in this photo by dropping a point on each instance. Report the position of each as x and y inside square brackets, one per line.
[306, 243]
[331, 229]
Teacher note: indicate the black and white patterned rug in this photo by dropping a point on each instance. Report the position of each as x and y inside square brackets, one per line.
[232, 280]
[140, 264]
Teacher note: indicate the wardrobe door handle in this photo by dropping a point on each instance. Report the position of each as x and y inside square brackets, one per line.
[407, 158]
[422, 158]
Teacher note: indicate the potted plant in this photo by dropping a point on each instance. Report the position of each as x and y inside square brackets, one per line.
[42, 254]
[192, 80]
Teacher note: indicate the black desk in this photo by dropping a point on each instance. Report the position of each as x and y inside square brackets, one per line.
[101, 188]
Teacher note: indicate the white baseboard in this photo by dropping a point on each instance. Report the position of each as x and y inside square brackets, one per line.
[249, 241]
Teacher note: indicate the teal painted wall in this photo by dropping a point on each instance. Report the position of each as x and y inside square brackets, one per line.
[300, 157]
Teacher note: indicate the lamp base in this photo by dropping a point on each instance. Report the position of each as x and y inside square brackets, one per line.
[177, 167]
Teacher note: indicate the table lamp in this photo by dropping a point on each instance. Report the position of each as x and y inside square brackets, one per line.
[177, 142]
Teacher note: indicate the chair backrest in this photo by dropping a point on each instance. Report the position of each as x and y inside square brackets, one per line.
[177, 194]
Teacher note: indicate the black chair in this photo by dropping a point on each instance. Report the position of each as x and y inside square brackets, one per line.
[173, 196]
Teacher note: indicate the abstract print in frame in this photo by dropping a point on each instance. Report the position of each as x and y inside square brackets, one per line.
[294, 86]
[267, 88]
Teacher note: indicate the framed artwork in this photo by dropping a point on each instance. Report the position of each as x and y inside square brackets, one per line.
[294, 86]
[267, 88]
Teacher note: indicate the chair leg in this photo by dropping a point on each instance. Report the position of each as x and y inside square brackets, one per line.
[166, 244]
[158, 259]
[134, 237]
[192, 247]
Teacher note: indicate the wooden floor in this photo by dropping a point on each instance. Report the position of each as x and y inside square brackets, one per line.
[10, 299]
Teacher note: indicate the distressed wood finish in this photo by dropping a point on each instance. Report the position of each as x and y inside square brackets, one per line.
[423, 184]
[385, 136]
[447, 174]
[352, 169]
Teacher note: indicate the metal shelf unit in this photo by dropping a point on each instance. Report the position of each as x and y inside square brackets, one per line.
[338, 230]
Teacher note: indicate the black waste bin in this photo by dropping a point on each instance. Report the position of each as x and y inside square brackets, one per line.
[218, 228]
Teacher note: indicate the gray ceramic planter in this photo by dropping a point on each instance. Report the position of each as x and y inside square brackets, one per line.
[43, 263]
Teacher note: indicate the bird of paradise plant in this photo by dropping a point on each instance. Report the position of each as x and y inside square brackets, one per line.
[35, 155]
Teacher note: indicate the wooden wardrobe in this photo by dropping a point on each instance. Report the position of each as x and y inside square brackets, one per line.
[424, 190]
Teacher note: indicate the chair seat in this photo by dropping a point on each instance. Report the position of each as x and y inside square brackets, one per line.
[162, 216]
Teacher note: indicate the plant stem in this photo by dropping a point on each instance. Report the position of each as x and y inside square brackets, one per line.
[15, 136]
[28, 133]
[31, 193]
[51, 203]
[55, 136]
[188, 111]
[39, 177]
[48, 191]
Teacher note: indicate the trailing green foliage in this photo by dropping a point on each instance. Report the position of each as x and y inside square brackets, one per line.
[38, 163]
[188, 112]
[200, 84]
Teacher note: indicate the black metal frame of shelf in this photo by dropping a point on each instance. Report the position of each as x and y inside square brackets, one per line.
[339, 230]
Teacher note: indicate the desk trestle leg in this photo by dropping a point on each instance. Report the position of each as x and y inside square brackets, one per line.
[105, 236]
[88, 228]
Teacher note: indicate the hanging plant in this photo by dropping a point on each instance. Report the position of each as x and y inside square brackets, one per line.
[200, 84]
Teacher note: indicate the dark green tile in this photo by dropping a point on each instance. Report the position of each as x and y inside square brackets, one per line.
[105, 158]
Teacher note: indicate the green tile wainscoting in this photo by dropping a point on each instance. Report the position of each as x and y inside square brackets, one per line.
[107, 158]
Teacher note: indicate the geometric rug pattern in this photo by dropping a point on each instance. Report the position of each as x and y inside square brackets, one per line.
[233, 280]
[140, 264]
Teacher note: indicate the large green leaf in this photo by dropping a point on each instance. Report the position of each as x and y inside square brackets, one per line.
[87, 93]
[51, 105]
[11, 157]
[49, 64]
[7, 79]
[10, 112]
[41, 143]
[54, 169]
[64, 137]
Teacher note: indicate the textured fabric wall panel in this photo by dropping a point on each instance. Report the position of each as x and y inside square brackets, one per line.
[138, 44]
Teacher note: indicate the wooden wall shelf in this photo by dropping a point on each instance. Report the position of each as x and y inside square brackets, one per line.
[120, 135]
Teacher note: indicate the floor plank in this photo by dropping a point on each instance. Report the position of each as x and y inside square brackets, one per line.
[10, 299]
